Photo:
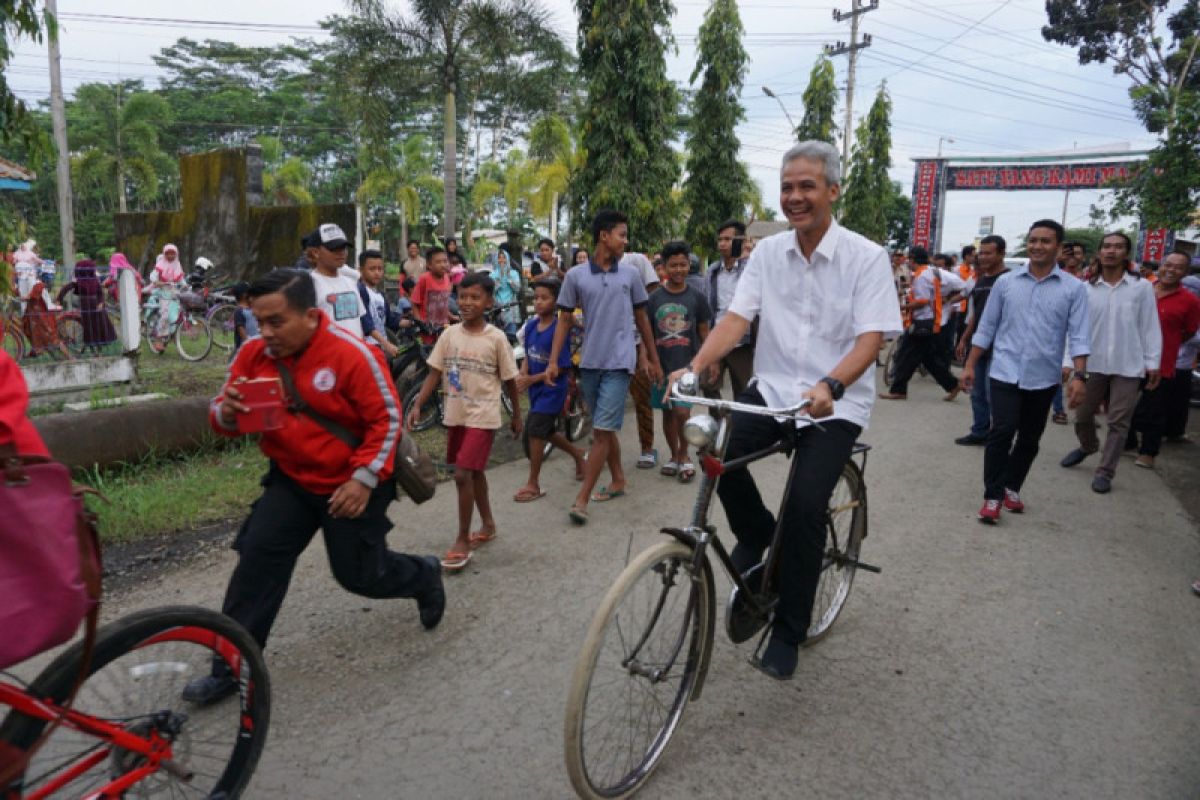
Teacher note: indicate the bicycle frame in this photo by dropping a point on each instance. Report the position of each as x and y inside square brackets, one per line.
[155, 750]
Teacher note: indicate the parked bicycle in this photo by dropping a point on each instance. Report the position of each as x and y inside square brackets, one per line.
[186, 325]
[647, 651]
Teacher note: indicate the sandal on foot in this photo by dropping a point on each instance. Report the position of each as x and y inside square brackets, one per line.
[670, 469]
[1060, 418]
[687, 471]
[604, 494]
[526, 496]
[647, 460]
[479, 539]
[454, 561]
[578, 515]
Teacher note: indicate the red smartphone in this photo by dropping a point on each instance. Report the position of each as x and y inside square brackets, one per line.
[264, 396]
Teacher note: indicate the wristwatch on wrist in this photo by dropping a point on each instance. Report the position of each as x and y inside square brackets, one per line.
[836, 388]
[1083, 376]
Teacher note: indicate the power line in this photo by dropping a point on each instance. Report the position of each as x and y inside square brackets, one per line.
[959, 35]
[173, 22]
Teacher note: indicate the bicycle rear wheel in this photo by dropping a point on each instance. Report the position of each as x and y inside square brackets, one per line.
[431, 412]
[139, 668]
[193, 337]
[70, 333]
[847, 523]
[13, 341]
[220, 322]
[643, 659]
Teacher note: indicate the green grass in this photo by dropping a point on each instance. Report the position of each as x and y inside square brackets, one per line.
[174, 377]
[165, 494]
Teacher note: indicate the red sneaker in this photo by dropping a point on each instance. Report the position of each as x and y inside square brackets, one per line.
[990, 513]
[1012, 502]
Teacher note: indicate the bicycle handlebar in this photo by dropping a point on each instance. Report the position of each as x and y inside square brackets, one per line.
[685, 390]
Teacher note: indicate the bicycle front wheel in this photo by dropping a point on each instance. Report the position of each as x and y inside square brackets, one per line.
[431, 412]
[847, 525]
[14, 342]
[645, 652]
[193, 338]
[139, 669]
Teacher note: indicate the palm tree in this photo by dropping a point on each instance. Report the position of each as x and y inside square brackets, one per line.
[116, 128]
[285, 180]
[400, 175]
[452, 41]
[551, 148]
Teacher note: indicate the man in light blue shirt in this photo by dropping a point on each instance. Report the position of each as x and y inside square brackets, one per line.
[1029, 314]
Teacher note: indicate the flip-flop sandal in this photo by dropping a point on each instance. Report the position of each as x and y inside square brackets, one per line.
[479, 539]
[647, 460]
[578, 515]
[687, 471]
[604, 495]
[670, 468]
[453, 562]
[528, 497]
[1060, 419]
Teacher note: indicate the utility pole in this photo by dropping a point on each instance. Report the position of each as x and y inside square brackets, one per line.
[857, 9]
[58, 115]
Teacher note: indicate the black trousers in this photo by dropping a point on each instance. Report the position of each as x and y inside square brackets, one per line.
[1149, 419]
[818, 461]
[1177, 397]
[917, 350]
[281, 524]
[1016, 414]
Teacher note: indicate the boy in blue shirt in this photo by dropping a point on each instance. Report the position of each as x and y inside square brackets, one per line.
[546, 397]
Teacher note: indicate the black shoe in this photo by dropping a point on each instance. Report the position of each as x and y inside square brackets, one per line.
[744, 558]
[209, 689]
[971, 439]
[431, 603]
[1074, 457]
[1101, 484]
[778, 660]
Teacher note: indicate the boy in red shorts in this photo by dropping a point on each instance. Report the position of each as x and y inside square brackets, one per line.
[472, 359]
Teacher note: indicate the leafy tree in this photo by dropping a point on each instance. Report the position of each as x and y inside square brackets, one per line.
[285, 178]
[1158, 48]
[20, 18]
[116, 128]
[455, 43]
[898, 208]
[554, 151]
[820, 102]
[717, 183]
[404, 182]
[629, 116]
[865, 199]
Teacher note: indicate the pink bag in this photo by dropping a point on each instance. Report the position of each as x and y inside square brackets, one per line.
[49, 557]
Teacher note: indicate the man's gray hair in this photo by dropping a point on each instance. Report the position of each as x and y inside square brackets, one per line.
[821, 152]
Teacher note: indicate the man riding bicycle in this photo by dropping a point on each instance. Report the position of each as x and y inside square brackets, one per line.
[825, 300]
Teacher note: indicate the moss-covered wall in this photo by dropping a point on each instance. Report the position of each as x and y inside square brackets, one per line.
[218, 221]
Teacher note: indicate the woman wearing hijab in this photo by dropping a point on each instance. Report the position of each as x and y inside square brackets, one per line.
[117, 263]
[27, 264]
[40, 323]
[508, 284]
[97, 327]
[166, 281]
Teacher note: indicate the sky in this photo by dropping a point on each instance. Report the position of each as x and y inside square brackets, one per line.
[971, 76]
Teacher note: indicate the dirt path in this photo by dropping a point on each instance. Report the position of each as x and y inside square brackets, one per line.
[1055, 655]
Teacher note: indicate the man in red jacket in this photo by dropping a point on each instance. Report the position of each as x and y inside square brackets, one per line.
[315, 479]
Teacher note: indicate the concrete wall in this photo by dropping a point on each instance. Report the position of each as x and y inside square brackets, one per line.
[221, 219]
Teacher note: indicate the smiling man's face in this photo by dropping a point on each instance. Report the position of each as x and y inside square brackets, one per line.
[804, 195]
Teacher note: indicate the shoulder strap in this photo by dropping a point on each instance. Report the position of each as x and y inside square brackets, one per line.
[297, 405]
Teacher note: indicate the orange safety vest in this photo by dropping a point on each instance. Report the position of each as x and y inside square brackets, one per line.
[937, 299]
[966, 273]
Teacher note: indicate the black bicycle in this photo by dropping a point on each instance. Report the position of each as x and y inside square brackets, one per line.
[647, 651]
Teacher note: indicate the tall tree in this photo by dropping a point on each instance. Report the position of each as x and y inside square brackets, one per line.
[867, 186]
[717, 182]
[551, 147]
[629, 118]
[820, 102]
[453, 43]
[20, 18]
[1156, 44]
[116, 128]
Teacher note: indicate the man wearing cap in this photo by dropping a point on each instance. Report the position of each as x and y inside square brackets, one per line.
[337, 293]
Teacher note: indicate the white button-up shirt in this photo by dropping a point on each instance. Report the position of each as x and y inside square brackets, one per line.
[922, 289]
[811, 311]
[1125, 335]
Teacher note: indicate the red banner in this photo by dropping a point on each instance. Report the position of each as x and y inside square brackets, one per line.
[925, 202]
[1075, 176]
[1154, 245]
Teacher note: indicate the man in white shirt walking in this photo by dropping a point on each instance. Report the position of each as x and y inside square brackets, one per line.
[825, 301]
[1126, 346]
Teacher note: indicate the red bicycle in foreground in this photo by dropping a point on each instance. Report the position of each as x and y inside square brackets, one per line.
[129, 732]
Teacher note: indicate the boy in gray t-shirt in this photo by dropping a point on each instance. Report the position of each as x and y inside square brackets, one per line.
[680, 317]
[613, 299]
